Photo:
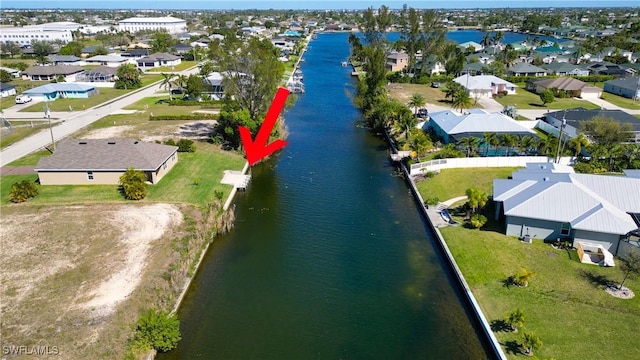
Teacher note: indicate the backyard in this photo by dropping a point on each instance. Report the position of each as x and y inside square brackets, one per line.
[564, 305]
[524, 99]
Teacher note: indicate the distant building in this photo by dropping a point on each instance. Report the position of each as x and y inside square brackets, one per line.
[158, 59]
[69, 72]
[61, 90]
[7, 90]
[575, 117]
[397, 61]
[485, 85]
[27, 34]
[572, 87]
[171, 24]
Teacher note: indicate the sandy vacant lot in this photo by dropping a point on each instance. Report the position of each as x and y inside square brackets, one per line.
[66, 272]
[197, 130]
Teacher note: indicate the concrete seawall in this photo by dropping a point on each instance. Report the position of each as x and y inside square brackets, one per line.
[451, 262]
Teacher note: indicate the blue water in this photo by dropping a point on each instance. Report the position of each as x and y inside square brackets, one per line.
[329, 258]
[461, 36]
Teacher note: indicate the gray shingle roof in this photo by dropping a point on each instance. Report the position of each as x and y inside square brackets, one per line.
[568, 84]
[526, 68]
[630, 83]
[160, 56]
[53, 70]
[106, 154]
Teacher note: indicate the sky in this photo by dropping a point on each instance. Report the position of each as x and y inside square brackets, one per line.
[305, 4]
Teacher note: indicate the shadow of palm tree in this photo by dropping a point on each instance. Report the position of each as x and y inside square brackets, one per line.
[595, 280]
[499, 326]
[512, 347]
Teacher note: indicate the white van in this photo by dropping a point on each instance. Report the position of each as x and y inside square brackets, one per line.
[23, 99]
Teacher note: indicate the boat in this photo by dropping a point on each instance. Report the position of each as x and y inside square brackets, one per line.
[344, 64]
[296, 87]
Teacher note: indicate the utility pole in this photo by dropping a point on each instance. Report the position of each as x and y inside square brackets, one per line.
[47, 114]
[564, 123]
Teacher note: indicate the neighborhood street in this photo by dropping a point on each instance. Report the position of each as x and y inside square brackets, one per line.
[70, 122]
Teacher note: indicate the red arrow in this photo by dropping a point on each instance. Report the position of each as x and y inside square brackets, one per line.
[258, 149]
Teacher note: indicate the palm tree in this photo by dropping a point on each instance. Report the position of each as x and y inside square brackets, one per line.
[525, 143]
[509, 140]
[515, 320]
[468, 143]
[166, 82]
[491, 139]
[416, 101]
[461, 100]
[405, 123]
[497, 37]
[486, 39]
[530, 343]
[578, 142]
[420, 144]
[547, 146]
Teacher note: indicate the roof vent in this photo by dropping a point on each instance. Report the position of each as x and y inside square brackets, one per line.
[82, 143]
[135, 142]
[545, 179]
[111, 142]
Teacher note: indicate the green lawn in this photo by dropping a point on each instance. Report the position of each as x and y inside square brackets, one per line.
[452, 183]
[623, 102]
[176, 187]
[31, 159]
[524, 99]
[7, 102]
[182, 66]
[22, 132]
[564, 304]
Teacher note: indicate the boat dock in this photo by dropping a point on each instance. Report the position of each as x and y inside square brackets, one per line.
[236, 178]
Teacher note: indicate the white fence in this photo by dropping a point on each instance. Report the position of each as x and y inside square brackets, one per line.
[473, 162]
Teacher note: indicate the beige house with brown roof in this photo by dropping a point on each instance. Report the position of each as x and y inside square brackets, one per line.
[103, 161]
[397, 61]
[573, 87]
[69, 72]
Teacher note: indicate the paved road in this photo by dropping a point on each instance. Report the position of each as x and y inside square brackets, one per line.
[70, 122]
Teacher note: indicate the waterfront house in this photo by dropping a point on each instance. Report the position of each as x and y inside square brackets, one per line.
[575, 117]
[572, 87]
[68, 72]
[485, 85]
[451, 126]
[103, 161]
[628, 87]
[471, 45]
[550, 204]
[397, 61]
[61, 90]
[7, 90]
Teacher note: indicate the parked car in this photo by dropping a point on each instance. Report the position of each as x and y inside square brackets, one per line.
[435, 84]
[23, 99]
[177, 91]
[423, 112]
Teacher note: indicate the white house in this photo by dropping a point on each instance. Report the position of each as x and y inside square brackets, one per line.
[546, 204]
[26, 34]
[169, 23]
[110, 60]
[7, 90]
[485, 85]
[158, 59]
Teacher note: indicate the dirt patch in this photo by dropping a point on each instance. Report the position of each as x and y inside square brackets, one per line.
[66, 271]
[109, 132]
[156, 131]
[403, 92]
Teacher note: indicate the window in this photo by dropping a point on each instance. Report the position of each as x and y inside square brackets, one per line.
[565, 229]
[89, 175]
[164, 166]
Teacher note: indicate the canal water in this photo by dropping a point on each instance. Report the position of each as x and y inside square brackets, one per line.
[329, 258]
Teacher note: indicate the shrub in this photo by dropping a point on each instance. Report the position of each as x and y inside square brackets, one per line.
[583, 167]
[22, 191]
[521, 278]
[477, 221]
[434, 200]
[170, 142]
[134, 184]
[157, 330]
[430, 174]
[186, 145]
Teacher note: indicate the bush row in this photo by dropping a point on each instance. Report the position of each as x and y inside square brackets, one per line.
[206, 103]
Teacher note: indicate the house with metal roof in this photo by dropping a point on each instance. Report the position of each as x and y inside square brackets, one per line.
[575, 117]
[550, 205]
[54, 91]
[572, 87]
[485, 85]
[103, 161]
[452, 126]
[65, 60]
[101, 74]
[628, 87]
[476, 47]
